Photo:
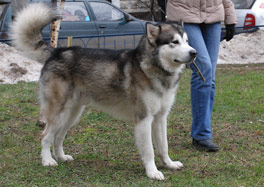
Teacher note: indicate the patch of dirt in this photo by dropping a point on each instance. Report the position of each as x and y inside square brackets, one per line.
[257, 67]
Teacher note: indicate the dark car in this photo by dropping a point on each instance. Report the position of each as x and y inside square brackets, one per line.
[5, 19]
[97, 24]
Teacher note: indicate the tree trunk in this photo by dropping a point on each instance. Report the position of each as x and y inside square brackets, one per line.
[55, 26]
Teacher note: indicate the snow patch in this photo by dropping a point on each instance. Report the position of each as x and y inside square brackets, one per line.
[14, 67]
[245, 48]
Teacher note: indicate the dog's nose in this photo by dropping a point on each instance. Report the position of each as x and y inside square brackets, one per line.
[193, 53]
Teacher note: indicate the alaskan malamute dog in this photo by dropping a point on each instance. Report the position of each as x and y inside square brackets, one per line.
[138, 84]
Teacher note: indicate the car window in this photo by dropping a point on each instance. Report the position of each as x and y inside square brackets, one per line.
[75, 11]
[5, 16]
[106, 12]
[243, 4]
[2, 7]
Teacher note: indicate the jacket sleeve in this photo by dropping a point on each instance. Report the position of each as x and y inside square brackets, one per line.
[230, 13]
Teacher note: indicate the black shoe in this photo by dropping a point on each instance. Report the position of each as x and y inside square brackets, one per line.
[207, 145]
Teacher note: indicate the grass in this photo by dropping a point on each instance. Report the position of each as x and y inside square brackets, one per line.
[104, 150]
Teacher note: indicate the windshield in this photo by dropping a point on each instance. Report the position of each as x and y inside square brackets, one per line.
[243, 4]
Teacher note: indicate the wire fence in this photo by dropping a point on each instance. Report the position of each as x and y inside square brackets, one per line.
[106, 41]
[119, 41]
[109, 41]
[245, 29]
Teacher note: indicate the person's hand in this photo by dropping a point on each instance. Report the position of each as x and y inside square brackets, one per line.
[230, 31]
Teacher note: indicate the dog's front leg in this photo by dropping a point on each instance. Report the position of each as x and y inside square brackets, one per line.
[145, 147]
[159, 134]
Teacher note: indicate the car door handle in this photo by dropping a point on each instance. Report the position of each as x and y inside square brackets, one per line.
[102, 26]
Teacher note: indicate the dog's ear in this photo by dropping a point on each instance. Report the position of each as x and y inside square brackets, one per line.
[153, 31]
[181, 23]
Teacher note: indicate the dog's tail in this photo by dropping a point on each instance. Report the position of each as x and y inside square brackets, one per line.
[26, 30]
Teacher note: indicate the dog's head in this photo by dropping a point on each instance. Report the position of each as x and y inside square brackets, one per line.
[171, 42]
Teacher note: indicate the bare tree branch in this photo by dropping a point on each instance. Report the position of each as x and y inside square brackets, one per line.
[151, 6]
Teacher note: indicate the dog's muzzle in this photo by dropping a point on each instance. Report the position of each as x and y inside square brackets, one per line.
[189, 58]
[193, 53]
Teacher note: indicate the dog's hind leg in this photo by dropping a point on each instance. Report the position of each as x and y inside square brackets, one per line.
[52, 100]
[159, 134]
[46, 142]
[55, 122]
[71, 115]
[145, 147]
[52, 117]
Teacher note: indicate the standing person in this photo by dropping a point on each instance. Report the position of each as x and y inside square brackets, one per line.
[202, 22]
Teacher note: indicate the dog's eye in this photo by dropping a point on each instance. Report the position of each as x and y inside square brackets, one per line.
[176, 42]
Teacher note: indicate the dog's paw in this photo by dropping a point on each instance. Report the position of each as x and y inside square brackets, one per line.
[49, 162]
[174, 165]
[156, 175]
[65, 158]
